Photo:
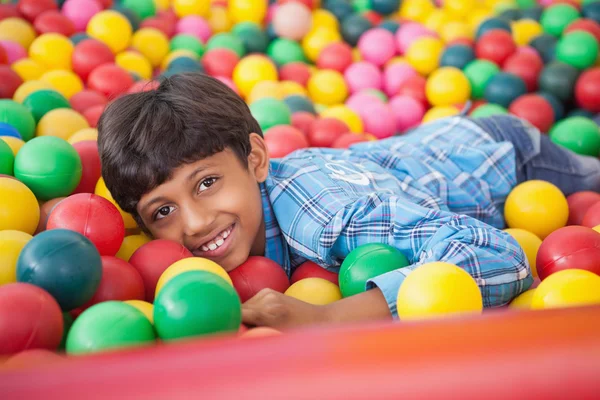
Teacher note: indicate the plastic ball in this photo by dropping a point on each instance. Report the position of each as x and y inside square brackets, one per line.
[258, 273]
[587, 90]
[172, 56]
[52, 50]
[447, 86]
[283, 139]
[292, 21]
[251, 70]
[315, 291]
[17, 30]
[130, 244]
[93, 114]
[111, 28]
[579, 204]
[64, 82]
[487, 110]
[7, 159]
[14, 51]
[101, 190]
[28, 69]
[30, 319]
[586, 25]
[408, 33]
[110, 80]
[325, 131]
[7, 130]
[134, 62]
[578, 134]
[42, 102]
[346, 115]
[110, 325]
[303, 121]
[567, 288]
[152, 44]
[436, 290]
[535, 109]
[187, 42]
[317, 40]
[525, 30]
[120, 281]
[591, 217]
[265, 89]
[457, 56]
[496, 46]
[80, 12]
[87, 148]
[545, 45]
[144, 307]
[296, 72]
[557, 105]
[440, 112]
[255, 40]
[353, 28]
[526, 66]
[18, 207]
[18, 116]
[61, 122]
[408, 112]
[247, 10]
[504, 88]
[556, 18]
[379, 120]
[220, 62]
[309, 269]
[299, 103]
[358, 76]
[54, 22]
[190, 264]
[270, 112]
[327, 87]
[424, 54]
[536, 206]
[579, 49]
[11, 244]
[90, 54]
[395, 75]
[194, 25]
[493, 24]
[530, 244]
[31, 9]
[284, 51]
[523, 301]
[377, 46]
[9, 82]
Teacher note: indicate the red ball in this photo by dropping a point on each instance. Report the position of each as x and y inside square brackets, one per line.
[93, 114]
[30, 318]
[220, 62]
[94, 217]
[348, 139]
[8, 11]
[153, 258]
[587, 90]
[30, 9]
[308, 3]
[584, 24]
[3, 56]
[9, 82]
[579, 204]
[373, 17]
[571, 247]
[92, 170]
[535, 109]
[336, 56]
[143, 86]
[495, 45]
[324, 132]
[120, 281]
[110, 80]
[309, 269]
[88, 55]
[163, 24]
[591, 217]
[415, 88]
[295, 71]
[303, 120]
[53, 21]
[283, 139]
[86, 99]
[526, 66]
[258, 273]
[573, 3]
[105, 3]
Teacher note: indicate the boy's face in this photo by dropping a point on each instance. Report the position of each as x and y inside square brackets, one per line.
[213, 206]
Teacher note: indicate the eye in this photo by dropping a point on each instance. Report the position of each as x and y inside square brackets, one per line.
[163, 212]
[206, 183]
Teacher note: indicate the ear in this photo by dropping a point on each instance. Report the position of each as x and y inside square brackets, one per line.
[258, 160]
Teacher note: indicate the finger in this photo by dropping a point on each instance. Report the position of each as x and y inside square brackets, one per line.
[251, 316]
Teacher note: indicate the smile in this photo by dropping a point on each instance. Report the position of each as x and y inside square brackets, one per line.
[217, 245]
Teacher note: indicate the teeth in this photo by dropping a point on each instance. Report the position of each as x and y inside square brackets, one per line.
[225, 234]
[217, 241]
[220, 242]
[212, 246]
[204, 248]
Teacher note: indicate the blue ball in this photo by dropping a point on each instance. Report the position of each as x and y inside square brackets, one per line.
[512, 14]
[64, 263]
[9, 130]
[457, 56]
[504, 88]
[545, 45]
[592, 11]
[493, 23]
[78, 38]
[557, 105]
[353, 27]
[390, 25]
[341, 9]
[185, 64]
[534, 13]
[299, 103]
[384, 7]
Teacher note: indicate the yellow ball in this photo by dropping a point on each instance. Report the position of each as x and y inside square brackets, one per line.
[146, 308]
[424, 54]
[437, 289]
[436, 20]
[83, 135]
[14, 143]
[417, 10]
[247, 11]
[17, 30]
[536, 206]
[219, 20]
[324, 19]
[132, 61]
[28, 69]
[66, 83]
[62, 123]
[356, 56]
[567, 288]
[176, 54]
[29, 87]
[130, 244]
[477, 16]
[11, 244]
[102, 191]
[111, 28]
[152, 43]
[525, 30]
[459, 8]
[597, 228]
[291, 88]
[316, 291]
[52, 50]
[317, 40]
[447, 86]
[19, 209]
[183, 8]
[327, 87]
[191, 264]
[264, 89]
[530, 244]
[346, 115]
[456, 30]
[439, 112]
[523, 301]
[162, 5]
[251, 70]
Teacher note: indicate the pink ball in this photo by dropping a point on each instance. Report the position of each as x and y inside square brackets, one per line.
[377, 46]
[395, 75]
[195, 26]
[80, 12]
[527, 50]
[363, 75]
[292, 20]
[14, 51]
[408, 112]
[270, 13]
[358, 101]
[229, 83]
[408, 33]
[379, 120]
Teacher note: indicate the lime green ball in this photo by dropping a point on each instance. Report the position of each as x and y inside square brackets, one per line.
[479, 73]
[19, 116]
[49, 166]
[42, 102]
[270, 112]
[579, 49]
[366, 262]
[254, 38]
[142, 8]
[487, 110]
[187, 42]
[108, 326]
[226, 40]
[526, 4]
[7, 159]
[285, 51]
[196, 303]
[586, 2]
[578, 134]
[361, 5]
[556, 18]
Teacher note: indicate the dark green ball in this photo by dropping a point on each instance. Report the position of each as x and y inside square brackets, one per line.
[255, 40]
[341, 9]
[7, 159]
[298, 103]
[557, 106]
[353, 27]
[504, 88]
[131, 16]
[479, 73]
[384, 7]
[390, 25]
[559, 79]
[78, 38]
[457, 56]
[592, 11]
[42, 102]
[580, 112]
[545, 44]
[534, 13]
[493, 23]
[511, 14]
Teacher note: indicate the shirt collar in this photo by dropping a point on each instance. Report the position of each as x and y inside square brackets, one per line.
[276, 248]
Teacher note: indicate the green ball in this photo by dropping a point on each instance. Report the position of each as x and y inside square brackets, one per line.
[254, 38]
[270, 112]
[479, 73]
[226, 40]
[43, 101]
[19, 116]
[108, 326]
[578, 134]
[526, 4]
[142, 8]
[366, 262]
[487, 110]
[49, 166]
[285, 51]
[196, 303]
[556, 18]
[7, 159]
[579, 49]
[361, 6]
[187, 42]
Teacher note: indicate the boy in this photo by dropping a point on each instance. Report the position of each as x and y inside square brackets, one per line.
[188, 160]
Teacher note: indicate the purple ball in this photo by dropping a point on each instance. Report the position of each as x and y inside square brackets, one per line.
[377, 46]
[363, 75]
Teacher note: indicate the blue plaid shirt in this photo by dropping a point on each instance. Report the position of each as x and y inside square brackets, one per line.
[436, 194]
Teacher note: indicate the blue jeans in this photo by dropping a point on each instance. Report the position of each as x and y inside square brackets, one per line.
[538, 158]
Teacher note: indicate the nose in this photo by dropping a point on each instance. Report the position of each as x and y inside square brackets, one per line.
[196, 221]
